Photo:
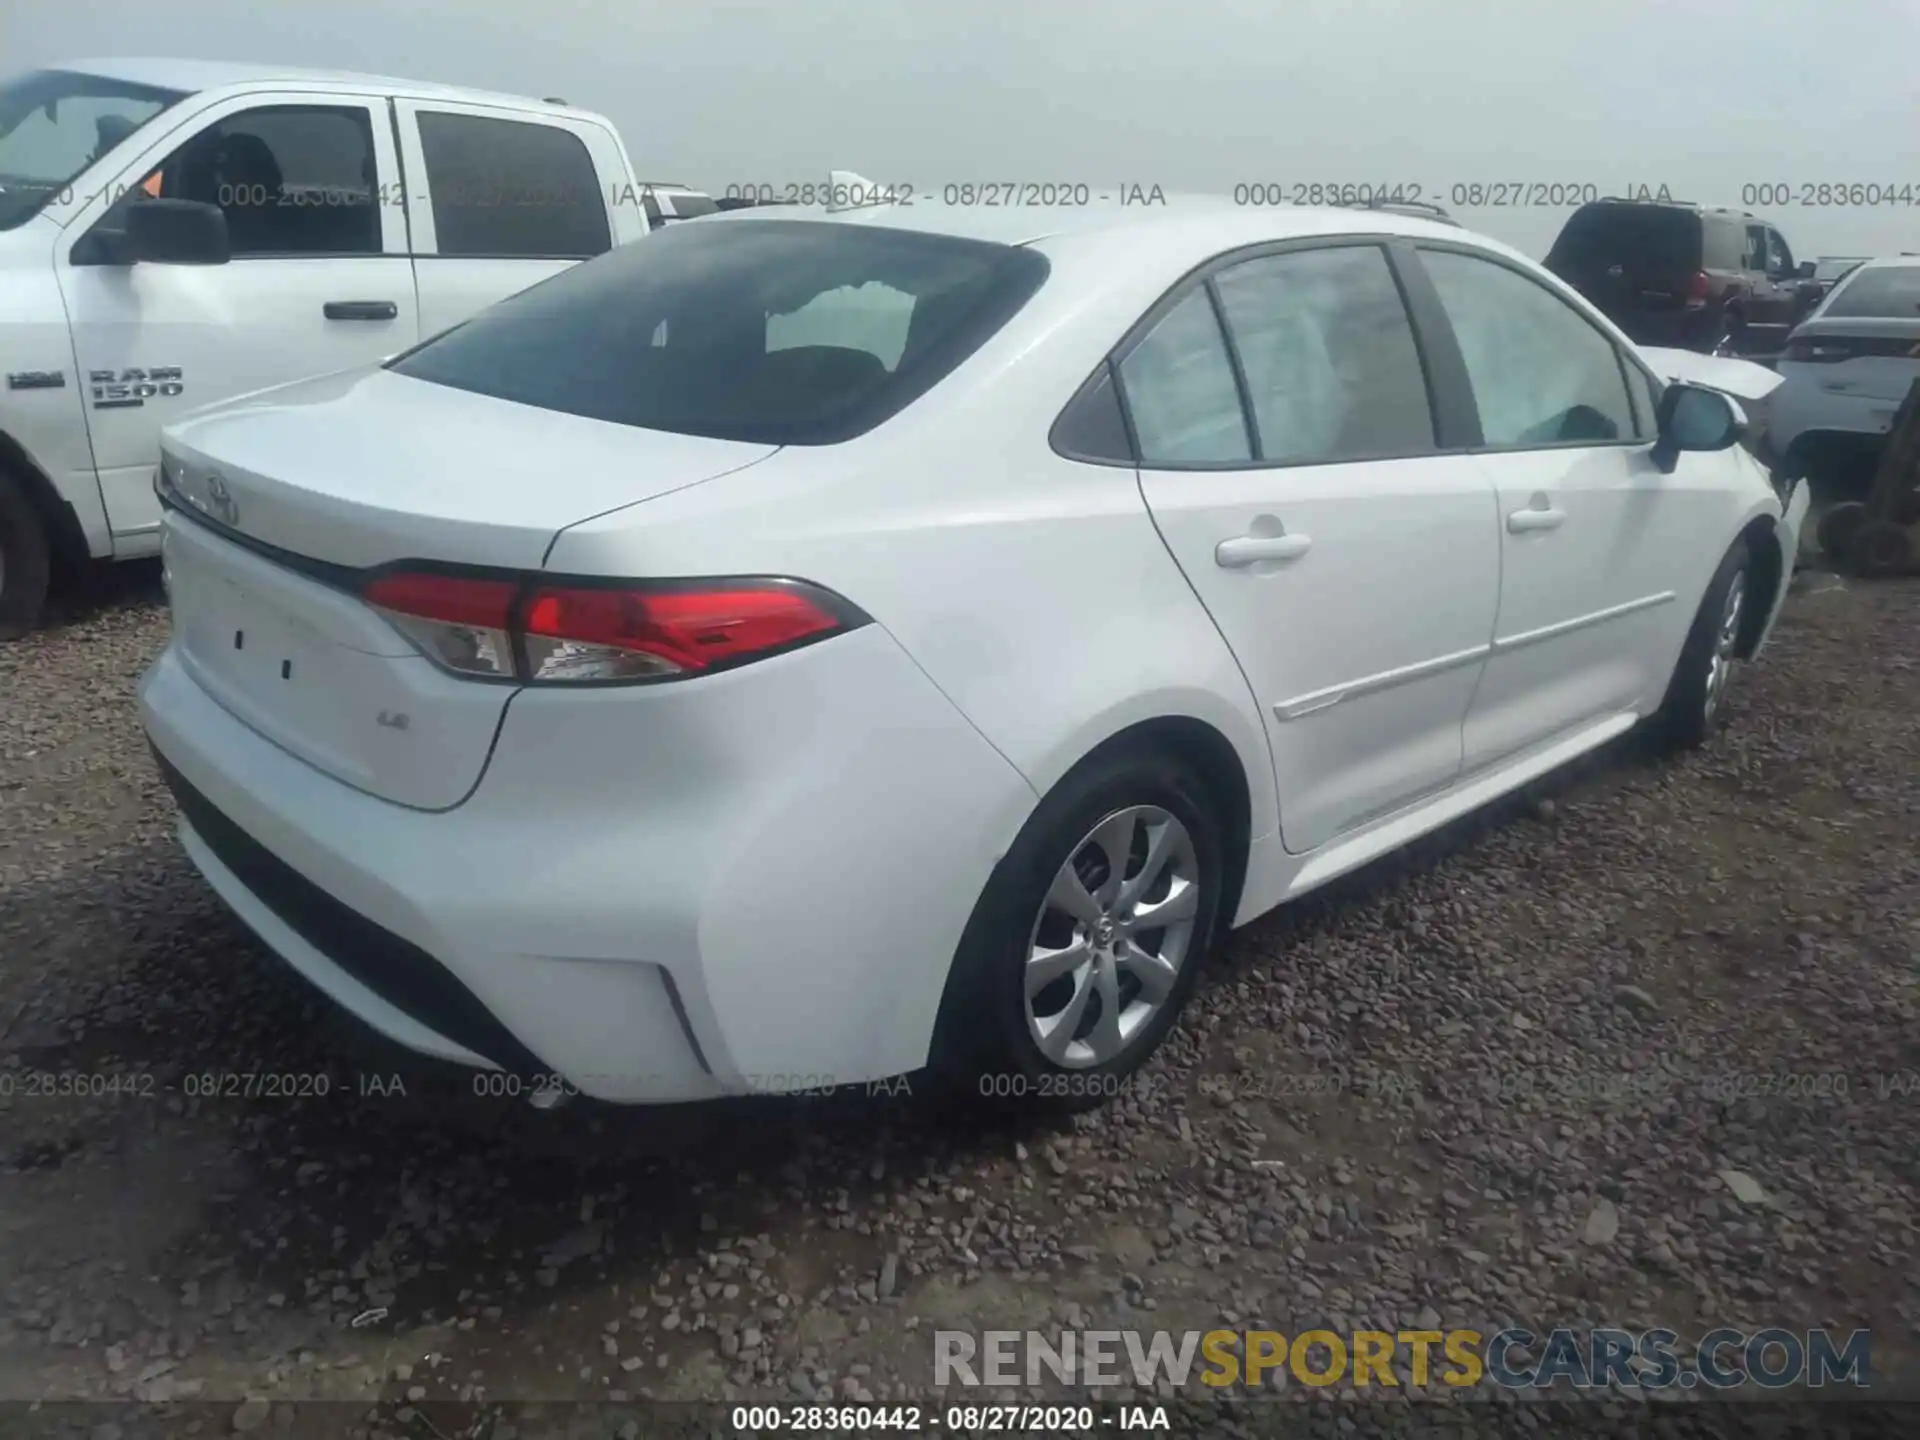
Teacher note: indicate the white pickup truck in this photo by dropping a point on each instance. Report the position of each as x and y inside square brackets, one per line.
[174, 233]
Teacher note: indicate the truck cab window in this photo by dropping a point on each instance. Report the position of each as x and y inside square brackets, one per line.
[291, 180]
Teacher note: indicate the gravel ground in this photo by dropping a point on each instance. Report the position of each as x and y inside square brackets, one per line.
[1484, 1082]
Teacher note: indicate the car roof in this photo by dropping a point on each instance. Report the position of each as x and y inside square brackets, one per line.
[1889, 262]
[1203, 224]
[202, 75]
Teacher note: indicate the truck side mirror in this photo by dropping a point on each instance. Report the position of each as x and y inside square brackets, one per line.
[177, 232]
[1805, 270]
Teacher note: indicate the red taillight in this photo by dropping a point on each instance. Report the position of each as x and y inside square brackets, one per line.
[461, 623]
[1700, 286]
[530, 630]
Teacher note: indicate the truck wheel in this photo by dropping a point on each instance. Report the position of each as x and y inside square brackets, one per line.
[1879, 551]
[24, 561]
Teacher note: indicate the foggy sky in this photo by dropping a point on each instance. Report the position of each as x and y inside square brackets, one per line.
[1702, 96]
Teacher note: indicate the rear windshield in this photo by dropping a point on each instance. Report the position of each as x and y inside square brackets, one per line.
[1644, 239]
[779, 332]
[1889, 291]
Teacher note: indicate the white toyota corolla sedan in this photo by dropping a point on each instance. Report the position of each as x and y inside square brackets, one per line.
[806, 650]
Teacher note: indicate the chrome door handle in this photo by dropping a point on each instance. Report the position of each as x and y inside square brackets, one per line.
[1245, 550]
[1546, 518]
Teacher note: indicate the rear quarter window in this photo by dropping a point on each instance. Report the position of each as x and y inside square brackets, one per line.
[777, 332]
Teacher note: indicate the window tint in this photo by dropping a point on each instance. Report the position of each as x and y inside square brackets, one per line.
[512, 188]
[782, 332]
[1887, 291]
[1541, 374]
[1331, 366]
[1180, 390]
[1754, 257]
[291, 179]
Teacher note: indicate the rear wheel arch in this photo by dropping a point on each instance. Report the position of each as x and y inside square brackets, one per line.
[1216, 764]
[65, 537]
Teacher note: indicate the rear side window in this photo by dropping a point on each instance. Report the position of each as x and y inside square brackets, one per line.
[1328, 352]
[1890, 292]
[779, 332]
[1725, 245]
[1180, 390]
[511, 188]
[1641, 239]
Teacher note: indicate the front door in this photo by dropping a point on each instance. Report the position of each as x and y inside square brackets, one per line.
[1353, 571]
[320, 279]
[1592, 535]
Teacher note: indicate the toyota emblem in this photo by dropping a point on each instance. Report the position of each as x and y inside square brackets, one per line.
[225, 508]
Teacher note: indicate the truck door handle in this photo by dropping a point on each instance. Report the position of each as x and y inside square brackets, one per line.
[1538, 517]
[360, 310]
[1245, 550]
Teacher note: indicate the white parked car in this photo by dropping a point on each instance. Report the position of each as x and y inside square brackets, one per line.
[808, 648]
[1849, 364]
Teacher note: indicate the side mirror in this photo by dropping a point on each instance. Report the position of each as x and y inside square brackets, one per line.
[177, 232]
[1805, 270]
[1692, 417]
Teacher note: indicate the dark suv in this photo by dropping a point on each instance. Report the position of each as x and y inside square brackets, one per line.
[1694, 276]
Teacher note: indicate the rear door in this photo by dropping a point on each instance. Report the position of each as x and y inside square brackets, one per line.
[1287, 451]
[319, 279]
[1595, 543]
[502, 199]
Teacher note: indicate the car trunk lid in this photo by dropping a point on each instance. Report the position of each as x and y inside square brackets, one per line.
[279, 506]
[1869, 356]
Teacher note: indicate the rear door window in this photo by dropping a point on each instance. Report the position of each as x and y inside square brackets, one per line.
[1180, 391]
[777, 332]
[511, 189]
[1332, 369]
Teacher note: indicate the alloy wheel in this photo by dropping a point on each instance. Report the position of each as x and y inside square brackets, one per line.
[1725, 639]
[1107, 947]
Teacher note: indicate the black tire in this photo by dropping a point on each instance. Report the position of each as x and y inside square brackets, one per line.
[1837, 529]
[985, 1055]
[25, 560]
[1879, 550]
[1686, 717]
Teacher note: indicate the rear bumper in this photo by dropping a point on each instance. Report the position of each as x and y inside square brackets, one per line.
[751, 882]
[1800, 408]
